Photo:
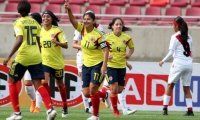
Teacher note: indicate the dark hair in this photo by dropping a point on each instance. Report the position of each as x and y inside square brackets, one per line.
[37, 17]
[24, 8]
[92, 15]
[182, 26]
[123, 27]
[55, 20]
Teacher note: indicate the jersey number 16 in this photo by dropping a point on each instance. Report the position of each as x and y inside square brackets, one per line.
[30, 34]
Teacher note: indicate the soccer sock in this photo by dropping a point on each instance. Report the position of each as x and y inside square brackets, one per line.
[95, 104]
[122, 100]
[30, 90]
[113, 99]
[85, 101]
[38, 99]
[14, 98]
[166, 100]
[189, 103]
[45, 97]
[63, 94]
[46, 86]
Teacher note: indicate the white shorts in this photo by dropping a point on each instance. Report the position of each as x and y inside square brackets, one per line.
[182, 72]
[27, 75]
[79, 61]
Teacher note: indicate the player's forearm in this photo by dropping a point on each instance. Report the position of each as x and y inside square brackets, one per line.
[131, 51]
[72, 19]
[76, 46]
[106, 52]
[63, 45]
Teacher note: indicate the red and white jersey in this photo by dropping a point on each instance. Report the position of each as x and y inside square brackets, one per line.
[177, 47]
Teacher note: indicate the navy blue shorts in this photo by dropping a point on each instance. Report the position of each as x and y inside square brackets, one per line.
[92, 75]
[58, 74]
[17, 71]
[116, 75]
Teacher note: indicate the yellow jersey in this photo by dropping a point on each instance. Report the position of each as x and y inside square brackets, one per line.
[51, 53]
[28, 52]
[118, 47]
[91, 46]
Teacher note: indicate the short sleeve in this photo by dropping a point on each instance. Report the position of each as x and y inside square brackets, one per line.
[77, 35]
[18, 30]
[62, 37]
[100, 28]
[80, 27]
[130, 43]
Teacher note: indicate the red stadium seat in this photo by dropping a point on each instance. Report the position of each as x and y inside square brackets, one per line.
[115, 10]
[76, 9]
[95, 8]
[78, 2]
[97, 2]
[152, 11]
[2, 0]
[172, 11]
[35, 8]
[159, 2]
[15, 1]
[37, 1]
[118, 2]
[53, 8]
[10, 7]
[193, 11]
[164, 24]
[56, 1]
[132, 10]
[180, 3]
[138, 2]
[196, 3]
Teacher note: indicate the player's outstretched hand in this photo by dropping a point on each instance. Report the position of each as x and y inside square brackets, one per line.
[67, 7]
[6, 61]
[161, 63]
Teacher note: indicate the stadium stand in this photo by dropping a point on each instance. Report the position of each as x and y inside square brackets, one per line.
[159, 2]
[54, 8]
[78, 2]
[36, 8]
[118, 2]
[56, 1]
[2, 1]
[196, 3]
[114, 10]
[171, 11]
[97, 2]
[37, 1]
[152, 11]
[138, 2]
[180, 3]
[132, 10]
[95, 8]
[15, 1]
[193, 11]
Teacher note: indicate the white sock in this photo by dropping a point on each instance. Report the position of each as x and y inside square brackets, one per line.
[30, 90]
[38, 99]
[166, 99]
[122, 100]
[85, 101]
[189, 102]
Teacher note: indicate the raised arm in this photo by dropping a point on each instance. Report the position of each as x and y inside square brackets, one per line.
[70, 15]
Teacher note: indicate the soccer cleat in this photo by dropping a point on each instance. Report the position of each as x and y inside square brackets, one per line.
[32, 108]
[189, 113]
[165, 112]
[129, 112]
[36, 110]
[87, 111]
[15, 116]
[93, 118]
[64, 112]
[116, 113]
[107, 100]
[51, 115]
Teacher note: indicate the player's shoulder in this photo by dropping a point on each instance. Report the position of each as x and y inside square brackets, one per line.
[126, 35]
[108, 34]
[56, 28]
[98, 32]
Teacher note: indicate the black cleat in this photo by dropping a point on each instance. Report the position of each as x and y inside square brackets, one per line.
[87, 111]
[189, 113]
[165, 112]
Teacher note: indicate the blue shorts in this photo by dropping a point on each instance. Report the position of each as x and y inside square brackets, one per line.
[17, 71]
[116, 75]
[92, 75]
[58, 74]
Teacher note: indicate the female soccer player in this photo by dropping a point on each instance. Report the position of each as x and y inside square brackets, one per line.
[121, 96]
[116, 71]
[181, 48]
[79, 61]
[52, 39]
[95, 60]
[27, 32]
[29, 88]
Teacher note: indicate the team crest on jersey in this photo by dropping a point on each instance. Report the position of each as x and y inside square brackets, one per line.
[124, 41]
[92, 39]
[52, 35]
[110, 78]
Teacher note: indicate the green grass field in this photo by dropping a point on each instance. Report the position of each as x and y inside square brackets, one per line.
[105, 114]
